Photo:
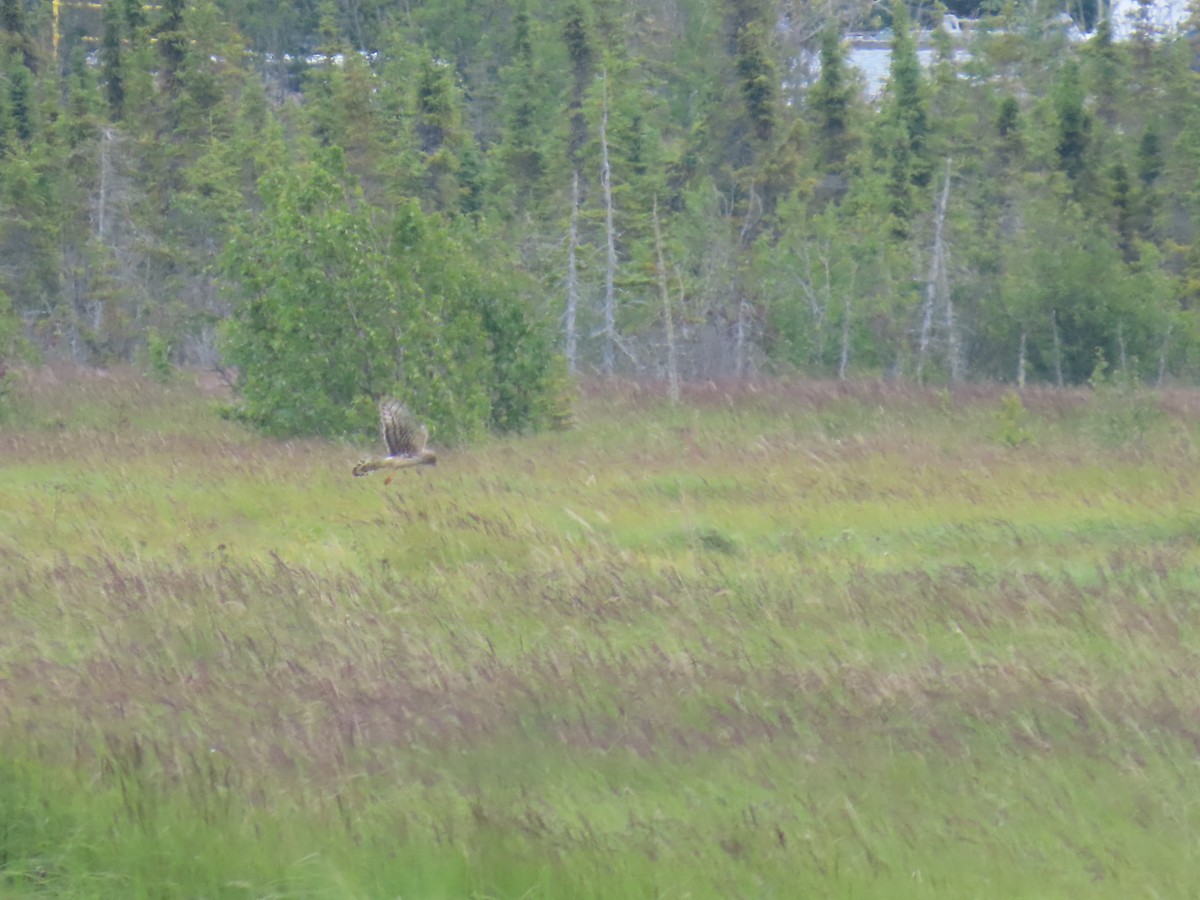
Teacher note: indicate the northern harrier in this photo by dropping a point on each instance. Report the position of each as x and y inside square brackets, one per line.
[405, 438]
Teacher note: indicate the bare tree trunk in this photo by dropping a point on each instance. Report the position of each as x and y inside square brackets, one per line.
[1021, 362]
[573, 278]
[82, 314]
[106, 138]
[953, 350]
[926, 329]
[610, 267]
[844, 356]
[847, 309]
[1162, 355]
[741, 329]
[818, 301]
[937, 285]
[1058, 375]
[825, 306]
[739, 337]
[1121, 348]
[668, 319]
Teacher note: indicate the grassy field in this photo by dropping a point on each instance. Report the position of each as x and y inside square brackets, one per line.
[786, 640]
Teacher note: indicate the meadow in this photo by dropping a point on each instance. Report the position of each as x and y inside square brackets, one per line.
[786, 639]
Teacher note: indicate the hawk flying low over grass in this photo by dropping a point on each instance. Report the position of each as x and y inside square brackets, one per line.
[405, 438]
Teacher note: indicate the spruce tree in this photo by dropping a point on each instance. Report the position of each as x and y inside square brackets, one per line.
[1149, 171]
[831, 101]
[758, 79]
[15, 38]
[172, 42]
[1074, 125]
[902, 127]
[520, 150]
[111, 71]
[907, 105]
[578, 40]
[133, 12]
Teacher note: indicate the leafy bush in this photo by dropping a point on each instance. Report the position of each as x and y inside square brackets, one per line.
[13, 348]
[158, 357]
[342, 303]
[1124, 411]
[1013, 421]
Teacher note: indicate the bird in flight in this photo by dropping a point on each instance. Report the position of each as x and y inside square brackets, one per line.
[405, 438]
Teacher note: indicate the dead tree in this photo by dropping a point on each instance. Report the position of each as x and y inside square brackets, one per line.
[668, 318]
[610, 263]
[937, 293]
[572, 336]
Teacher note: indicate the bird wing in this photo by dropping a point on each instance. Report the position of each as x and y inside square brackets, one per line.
[402, 433]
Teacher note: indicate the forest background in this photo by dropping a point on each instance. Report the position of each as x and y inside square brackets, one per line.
[468, 201]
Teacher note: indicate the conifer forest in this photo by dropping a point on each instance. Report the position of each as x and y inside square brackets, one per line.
[326, 199]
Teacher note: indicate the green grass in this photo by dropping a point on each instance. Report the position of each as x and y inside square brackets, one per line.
[789, 640]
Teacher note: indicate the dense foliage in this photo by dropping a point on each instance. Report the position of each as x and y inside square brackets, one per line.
[338, 311]
[344, 200]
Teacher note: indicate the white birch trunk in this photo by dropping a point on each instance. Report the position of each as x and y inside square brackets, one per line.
[572, 336]
[1162, 355]
[668, 318]
[818, 301]
[953, 350]
[844, 356]
[1021, 361]
[1058, 375]
[610, 266]
[739, 338]
[106, 138]
[936, 285]
[741, 330]
[827, 299]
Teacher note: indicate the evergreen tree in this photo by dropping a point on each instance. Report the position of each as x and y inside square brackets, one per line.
[133, 13]
[1149, 170]
[1010, 138]
[21, 102]
[1074, 125]
[15, 39]
[1121, 198]
[831, 101]
[907, 105]
[111, 70]
[520, 151]
[577, 37]
[440, 135]
[1107, 71]
[172, 42]
[902, 127]
[757, 78]
[211, 70]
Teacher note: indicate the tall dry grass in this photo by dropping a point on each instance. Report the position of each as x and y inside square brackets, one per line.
[786, 638]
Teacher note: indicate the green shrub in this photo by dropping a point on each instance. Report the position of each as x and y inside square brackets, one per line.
[158, 357]
[1013, 421]
[1124, 411]
[342, 304]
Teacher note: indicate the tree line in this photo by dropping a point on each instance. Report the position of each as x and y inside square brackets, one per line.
[465, 202]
